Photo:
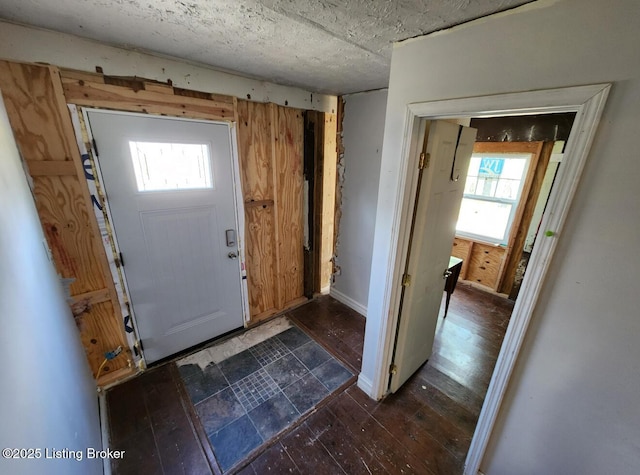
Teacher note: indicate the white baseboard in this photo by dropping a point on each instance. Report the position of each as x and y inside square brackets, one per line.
[365, 384]
[348, 301]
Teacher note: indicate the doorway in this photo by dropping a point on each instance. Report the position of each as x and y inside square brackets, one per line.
[170, 190]
[390, 244]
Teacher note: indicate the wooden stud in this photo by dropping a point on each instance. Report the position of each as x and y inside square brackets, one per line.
[279, 295]
[329, 175]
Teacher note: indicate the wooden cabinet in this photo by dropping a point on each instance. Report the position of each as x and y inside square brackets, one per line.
[483, 263]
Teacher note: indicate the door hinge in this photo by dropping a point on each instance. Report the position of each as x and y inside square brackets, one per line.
[393, 369]
[95, 147]
[425, 158]
[119, 260]
[406, 280]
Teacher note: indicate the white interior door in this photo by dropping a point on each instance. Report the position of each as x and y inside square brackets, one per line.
[449, 148]
[169, 184]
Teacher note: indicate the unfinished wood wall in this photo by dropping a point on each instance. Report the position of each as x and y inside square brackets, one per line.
[271, 159]
[44, 134]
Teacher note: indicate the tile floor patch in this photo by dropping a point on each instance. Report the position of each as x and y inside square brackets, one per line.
[219, 410]
[273, 415]
[239, 366]
[234, 441]
[286, 370]
[249, 397]
[332, 374]
[202, 383]
[269, 351]
[306, 392]
[311, 354]
[255, 389]
[293, 338]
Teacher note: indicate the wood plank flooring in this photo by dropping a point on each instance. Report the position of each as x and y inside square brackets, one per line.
[424, 428]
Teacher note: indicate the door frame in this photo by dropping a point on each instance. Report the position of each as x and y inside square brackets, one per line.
[588, 103]
[117, 272]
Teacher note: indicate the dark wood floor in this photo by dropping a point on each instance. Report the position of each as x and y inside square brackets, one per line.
[426, 427]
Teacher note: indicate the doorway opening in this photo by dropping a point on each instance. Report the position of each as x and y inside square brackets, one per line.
[587, 102]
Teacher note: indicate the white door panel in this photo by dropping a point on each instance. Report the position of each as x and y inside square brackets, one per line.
[439, 197]
[183, 286]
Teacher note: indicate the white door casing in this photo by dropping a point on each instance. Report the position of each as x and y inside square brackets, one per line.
[449, 148]
[183, 285]
[588, 102]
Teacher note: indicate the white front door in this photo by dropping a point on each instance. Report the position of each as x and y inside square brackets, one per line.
[169, 185]
[440, 189]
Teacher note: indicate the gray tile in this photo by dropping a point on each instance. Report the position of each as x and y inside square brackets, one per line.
[332, 374]
[219, 410]
[255, 389]
[273, 415]
[306, 393]
[293, 338]
[239, 366]
[311, 355]
[233, 442]
[269, 351]
[201, 383]
[286, 370]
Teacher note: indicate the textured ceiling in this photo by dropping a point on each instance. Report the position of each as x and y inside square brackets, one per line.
[328, 46]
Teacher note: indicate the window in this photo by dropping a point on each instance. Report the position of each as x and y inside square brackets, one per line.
[491, 194]
[171, 166]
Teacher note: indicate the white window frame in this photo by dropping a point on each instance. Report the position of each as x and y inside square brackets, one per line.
[514, 203]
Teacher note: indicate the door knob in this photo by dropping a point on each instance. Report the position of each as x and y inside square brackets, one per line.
[232, 255]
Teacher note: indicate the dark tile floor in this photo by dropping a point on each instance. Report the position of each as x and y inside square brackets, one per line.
[250, 397]
[425, 427]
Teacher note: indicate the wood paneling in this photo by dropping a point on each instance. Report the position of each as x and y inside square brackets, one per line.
[100, 336]
[484, 264]
[133, 94]
[260, 259]
[462, 250]
[65, 221]
[288, 188]
[255, 137]
[271, 146]
[36, 118]
[271, 152]
[42, 126]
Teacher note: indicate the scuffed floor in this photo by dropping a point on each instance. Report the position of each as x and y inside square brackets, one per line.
[426, 427]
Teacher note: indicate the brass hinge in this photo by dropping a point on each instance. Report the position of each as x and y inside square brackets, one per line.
[406, 280]
[393, 369]
[425, 158]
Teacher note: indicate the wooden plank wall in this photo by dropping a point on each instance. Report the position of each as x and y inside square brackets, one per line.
[271, 159]
[42, 126]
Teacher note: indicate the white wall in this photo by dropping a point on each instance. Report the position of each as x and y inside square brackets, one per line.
[572, 405]
[28, 44]
[47, 394]
[363, 127]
